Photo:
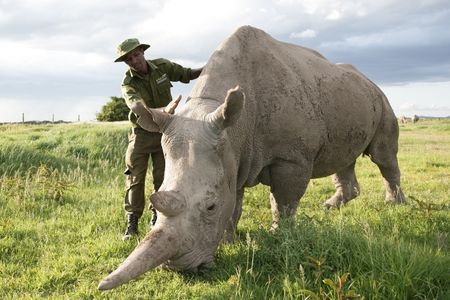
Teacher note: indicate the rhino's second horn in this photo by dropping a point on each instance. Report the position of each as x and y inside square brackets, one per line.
[170, 203]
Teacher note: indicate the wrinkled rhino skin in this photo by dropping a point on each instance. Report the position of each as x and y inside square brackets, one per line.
[292, 116]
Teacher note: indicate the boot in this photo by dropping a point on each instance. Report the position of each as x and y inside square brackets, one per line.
[154, 216]
[132, 226]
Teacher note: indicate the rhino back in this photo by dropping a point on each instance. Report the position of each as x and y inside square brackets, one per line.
[298, 106]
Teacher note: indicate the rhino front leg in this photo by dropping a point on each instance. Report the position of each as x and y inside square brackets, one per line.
[347, 187]
[230, 231]
[288, 182]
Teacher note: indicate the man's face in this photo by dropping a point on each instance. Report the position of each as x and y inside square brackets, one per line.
[136, 61]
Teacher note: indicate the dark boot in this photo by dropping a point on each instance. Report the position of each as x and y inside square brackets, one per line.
[154, 216]
[132, 226]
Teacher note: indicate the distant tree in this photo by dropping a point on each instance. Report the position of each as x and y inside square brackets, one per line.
[114, 110]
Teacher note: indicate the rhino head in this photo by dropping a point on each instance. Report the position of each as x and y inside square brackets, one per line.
[196, 200]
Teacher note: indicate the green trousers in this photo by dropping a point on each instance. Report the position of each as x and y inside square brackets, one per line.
[142, 145]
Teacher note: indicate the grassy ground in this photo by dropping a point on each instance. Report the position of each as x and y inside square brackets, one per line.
[61, 220]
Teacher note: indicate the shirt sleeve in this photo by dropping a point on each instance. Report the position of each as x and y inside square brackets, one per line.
[175, 71]
[130, 94]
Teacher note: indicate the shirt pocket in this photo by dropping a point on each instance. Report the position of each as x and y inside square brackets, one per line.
[164, 91]
[164, 86]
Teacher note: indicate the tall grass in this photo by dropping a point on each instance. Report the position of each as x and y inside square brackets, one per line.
[61, 219]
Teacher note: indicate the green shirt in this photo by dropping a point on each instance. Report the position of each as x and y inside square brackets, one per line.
[154, 88]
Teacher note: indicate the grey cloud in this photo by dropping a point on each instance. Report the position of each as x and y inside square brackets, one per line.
[398, 44]
[82, 25]
[393, 43]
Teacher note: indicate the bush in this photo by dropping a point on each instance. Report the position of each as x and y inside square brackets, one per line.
[114, 110]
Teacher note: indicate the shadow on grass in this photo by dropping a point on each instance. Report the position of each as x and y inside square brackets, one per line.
[303, 253]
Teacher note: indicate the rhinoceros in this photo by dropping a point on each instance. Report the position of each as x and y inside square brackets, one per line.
[262, 111]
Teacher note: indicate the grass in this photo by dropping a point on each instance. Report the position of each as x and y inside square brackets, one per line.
[61, 220]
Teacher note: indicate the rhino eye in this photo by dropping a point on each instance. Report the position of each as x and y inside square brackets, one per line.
[211, 207]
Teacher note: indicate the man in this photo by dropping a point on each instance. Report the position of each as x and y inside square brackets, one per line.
[146, 81]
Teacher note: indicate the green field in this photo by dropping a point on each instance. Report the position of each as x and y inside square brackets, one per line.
[61, 221]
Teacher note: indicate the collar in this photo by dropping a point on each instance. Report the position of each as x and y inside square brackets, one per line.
[151, 65]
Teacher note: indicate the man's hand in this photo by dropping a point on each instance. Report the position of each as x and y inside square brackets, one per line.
[170, 108]
[195, 73]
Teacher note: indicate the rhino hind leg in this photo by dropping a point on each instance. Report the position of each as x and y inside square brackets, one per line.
[391, 177]
[383, 152]
[288, 183]
[347, 187]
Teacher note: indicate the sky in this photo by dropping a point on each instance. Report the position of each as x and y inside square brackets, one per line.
[57, 56]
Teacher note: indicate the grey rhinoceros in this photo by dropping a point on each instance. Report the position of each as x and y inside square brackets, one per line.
[262, 111]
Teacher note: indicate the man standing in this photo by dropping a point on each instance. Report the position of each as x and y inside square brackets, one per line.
[147, 81]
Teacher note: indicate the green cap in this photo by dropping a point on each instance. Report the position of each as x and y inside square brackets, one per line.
[127, 46]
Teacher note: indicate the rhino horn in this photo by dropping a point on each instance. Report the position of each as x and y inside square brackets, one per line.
[156, 248]
[170, 203]
[153, 120]
[228, 113]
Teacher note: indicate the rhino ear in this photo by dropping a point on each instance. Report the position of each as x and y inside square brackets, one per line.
[150, 119]
[228, 113]
[170, 203]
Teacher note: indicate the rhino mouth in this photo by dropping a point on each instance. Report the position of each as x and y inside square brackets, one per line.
[190, 262]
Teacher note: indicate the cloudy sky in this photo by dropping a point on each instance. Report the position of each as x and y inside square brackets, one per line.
[57, 56]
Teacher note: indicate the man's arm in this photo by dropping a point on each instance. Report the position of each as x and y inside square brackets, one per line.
[130, 94]
[177, 72]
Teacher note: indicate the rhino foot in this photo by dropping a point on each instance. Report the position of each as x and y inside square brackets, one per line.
[334, 202]
[395, 197]
[342, 196]
[274, 227]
